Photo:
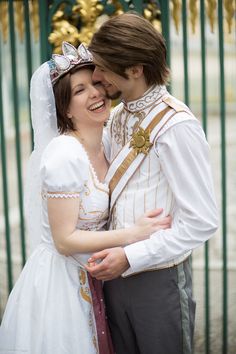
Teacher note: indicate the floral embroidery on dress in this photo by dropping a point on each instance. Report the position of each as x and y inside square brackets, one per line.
[86, 296]
[87, 190]
[84, 289]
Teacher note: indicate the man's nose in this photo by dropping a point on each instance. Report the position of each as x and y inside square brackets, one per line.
[97, 75]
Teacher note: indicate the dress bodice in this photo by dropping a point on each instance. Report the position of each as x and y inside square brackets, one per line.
[66, 172]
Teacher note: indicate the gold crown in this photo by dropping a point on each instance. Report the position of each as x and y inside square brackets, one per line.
[61, 64]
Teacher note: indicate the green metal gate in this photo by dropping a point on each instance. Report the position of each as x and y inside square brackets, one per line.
[201, 38]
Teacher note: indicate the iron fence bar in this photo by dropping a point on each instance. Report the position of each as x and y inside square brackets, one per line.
[43, 16]
[138, 5]
[28, 58]
[165, 24]
[203, 66]
[5, 187]
[17, 129]
[223, 177]
[204, 123]
[185, 51]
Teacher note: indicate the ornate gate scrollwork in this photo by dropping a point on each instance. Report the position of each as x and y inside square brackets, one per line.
[76, 20]
[77, 23]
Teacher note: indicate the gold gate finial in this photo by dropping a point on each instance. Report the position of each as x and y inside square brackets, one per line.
[193, 13]
[34, 15]
[19, 19]
[4, 24]
[230, 11]
[211, 13]
[176, 9]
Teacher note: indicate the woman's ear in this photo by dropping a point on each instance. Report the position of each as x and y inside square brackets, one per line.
[69, 115]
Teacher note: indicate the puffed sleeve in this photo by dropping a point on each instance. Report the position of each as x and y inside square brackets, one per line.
[64, 168]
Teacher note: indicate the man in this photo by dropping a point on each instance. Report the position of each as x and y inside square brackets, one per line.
[159, 158]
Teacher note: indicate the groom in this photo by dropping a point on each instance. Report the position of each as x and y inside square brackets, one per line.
[159, 158]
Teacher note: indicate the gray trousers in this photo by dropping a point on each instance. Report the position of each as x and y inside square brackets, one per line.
[152, 312]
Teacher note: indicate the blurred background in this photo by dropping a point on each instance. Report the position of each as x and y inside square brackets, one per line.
[201, 40]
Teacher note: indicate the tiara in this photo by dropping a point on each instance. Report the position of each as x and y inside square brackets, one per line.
[61, 64]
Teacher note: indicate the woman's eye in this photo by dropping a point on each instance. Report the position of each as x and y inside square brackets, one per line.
[77, 92]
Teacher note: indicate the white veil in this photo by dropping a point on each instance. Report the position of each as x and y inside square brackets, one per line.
[44, 121]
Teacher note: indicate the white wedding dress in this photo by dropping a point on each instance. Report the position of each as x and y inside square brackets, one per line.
[49, 310]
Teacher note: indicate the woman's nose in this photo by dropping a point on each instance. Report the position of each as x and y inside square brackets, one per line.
[94, 92]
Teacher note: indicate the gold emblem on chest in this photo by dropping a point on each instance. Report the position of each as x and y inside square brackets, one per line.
[140, 141]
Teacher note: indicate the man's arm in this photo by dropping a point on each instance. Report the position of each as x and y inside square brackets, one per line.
[184, 156]
[113, 261]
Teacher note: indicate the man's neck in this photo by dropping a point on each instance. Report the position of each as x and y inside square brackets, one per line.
[138, 90]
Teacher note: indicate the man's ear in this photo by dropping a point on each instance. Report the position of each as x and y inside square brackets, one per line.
[135, 71]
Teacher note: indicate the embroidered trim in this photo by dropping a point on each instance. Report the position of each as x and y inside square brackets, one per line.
[103, 187]
[149, 98]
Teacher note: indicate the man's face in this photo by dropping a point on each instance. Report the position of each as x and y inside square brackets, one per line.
[115, 85]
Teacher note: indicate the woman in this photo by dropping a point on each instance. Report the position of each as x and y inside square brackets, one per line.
[55, 306]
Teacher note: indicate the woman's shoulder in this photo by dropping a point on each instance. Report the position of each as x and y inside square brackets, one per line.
[64, 152]
[64, 165]
[64, 147]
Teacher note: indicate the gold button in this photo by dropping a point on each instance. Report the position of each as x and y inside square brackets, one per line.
[140, 141]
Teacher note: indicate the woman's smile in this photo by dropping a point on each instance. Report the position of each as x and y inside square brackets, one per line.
[98, 106]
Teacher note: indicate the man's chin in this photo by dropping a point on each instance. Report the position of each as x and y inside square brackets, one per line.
[113, 96]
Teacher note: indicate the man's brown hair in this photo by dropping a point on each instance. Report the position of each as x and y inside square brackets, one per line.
[127, 40]
[62, 94]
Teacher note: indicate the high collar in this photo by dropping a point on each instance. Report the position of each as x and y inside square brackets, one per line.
[147, 99]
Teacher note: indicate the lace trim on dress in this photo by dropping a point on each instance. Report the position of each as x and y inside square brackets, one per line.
[101, 185]
[46, 195]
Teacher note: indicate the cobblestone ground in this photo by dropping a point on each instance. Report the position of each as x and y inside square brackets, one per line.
[215, 246]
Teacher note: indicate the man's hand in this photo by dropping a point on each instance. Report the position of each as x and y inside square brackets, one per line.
[113, 263]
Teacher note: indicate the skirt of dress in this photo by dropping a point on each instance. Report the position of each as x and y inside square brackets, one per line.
[49, 309]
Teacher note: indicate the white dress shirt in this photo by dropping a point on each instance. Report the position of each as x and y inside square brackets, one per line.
[184, 157]
[176, 176]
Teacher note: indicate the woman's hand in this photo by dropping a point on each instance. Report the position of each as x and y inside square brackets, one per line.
[148, 224]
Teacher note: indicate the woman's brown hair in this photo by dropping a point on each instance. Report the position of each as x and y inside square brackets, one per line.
[127, 40]
[62, 94]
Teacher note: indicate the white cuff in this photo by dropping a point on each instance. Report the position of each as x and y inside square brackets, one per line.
[137, 256]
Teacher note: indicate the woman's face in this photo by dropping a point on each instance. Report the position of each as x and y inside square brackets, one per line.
[88, 105]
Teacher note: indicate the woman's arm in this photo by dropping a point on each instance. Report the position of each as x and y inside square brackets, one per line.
[63, 217]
